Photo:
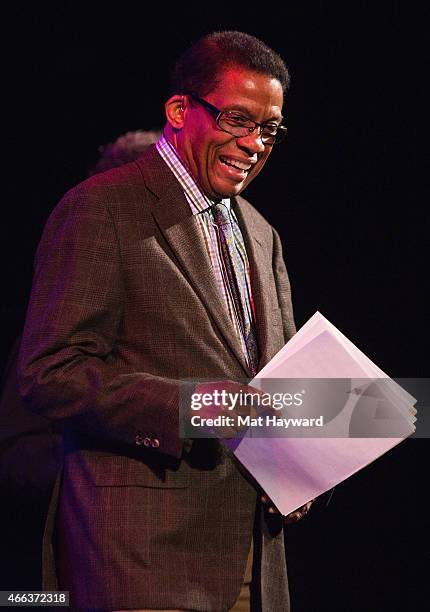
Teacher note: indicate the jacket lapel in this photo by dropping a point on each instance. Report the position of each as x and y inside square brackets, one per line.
[173, 215]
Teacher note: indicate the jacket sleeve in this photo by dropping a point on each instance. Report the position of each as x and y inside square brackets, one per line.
[67, 364]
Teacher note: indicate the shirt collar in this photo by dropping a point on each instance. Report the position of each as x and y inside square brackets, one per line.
[198, 201]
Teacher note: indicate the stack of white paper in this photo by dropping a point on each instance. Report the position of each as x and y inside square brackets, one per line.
[293, 470]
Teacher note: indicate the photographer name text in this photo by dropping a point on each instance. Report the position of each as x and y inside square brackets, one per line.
[258, 421]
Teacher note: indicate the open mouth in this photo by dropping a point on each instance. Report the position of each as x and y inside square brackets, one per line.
[235, 168]
[234, 163]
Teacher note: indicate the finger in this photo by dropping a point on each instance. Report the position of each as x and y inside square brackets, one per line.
[226, 433]
[271, 509]
[293, 517]
[305, 508]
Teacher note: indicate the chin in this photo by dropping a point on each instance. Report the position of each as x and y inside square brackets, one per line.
[229, 191]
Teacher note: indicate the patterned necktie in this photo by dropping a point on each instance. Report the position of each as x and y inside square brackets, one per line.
[235, 269]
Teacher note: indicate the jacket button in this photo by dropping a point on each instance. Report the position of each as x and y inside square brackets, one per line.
[155, 443]
[138, 440]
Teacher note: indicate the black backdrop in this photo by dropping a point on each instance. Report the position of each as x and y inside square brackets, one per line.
[344, 191]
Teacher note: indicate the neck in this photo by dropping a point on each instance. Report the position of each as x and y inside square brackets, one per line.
[170, 134]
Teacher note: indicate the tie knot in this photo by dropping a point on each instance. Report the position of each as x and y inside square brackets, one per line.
[220, 213]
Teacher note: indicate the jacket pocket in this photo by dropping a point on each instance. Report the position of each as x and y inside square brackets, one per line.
[118, 471]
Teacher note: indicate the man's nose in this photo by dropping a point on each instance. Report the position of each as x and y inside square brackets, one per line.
[252, 142]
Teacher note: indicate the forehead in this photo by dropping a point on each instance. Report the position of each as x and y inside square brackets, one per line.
[259, 95]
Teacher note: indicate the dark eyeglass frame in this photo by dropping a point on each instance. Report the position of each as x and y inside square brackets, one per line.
[217, 114]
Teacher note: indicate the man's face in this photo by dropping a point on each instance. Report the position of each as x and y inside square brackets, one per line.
[213, 155]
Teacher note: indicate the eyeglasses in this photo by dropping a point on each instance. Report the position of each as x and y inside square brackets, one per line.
[238, 125]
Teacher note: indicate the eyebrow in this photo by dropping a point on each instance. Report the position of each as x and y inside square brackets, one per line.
[245, 111]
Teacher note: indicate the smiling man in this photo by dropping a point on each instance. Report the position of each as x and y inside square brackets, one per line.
[147, 276]
[225, 160]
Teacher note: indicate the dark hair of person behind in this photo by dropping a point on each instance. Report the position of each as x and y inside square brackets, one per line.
[199, 68]
[126, 148]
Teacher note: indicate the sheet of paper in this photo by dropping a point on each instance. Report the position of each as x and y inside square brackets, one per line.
[312, 328]
[294, 470]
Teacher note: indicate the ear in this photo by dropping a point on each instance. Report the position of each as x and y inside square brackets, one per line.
[175, 108]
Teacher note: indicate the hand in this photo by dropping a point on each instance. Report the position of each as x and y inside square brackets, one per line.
[293, 517]
[227, 401]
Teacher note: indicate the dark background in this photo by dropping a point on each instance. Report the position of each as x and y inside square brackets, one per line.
[345, 191]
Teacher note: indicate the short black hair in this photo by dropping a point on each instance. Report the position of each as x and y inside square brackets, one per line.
[199, 68]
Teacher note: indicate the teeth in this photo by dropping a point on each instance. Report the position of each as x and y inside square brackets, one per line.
[236, 164]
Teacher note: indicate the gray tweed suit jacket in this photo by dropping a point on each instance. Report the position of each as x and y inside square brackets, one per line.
[123, 310]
